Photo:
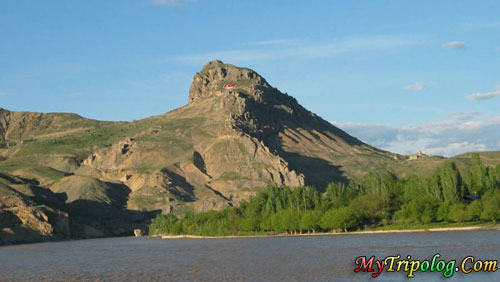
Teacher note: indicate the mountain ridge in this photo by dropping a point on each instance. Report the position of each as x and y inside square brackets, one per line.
[236, 136]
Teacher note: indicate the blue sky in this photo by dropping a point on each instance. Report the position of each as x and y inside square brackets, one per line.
[402, 75]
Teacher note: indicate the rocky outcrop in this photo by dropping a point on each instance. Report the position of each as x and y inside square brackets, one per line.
[113, 157]
[22, 220]
[78, 207]
[138, 233]
[257, 166]
[210, 81]
[33, 224]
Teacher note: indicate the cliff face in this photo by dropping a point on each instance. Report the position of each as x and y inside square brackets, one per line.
[237, 134]
[308, 144]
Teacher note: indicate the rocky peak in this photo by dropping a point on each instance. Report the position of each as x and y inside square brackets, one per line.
[252, 103]
[219, 79]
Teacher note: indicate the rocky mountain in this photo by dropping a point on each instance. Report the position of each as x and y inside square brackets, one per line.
[237, 135]
[227, 142]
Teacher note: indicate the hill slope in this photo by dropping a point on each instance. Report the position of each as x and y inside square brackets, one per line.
[226, 142]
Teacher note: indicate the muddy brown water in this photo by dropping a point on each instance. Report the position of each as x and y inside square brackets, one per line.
[318, 258]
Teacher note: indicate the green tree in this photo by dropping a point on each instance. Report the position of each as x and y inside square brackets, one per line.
[419, 210]
[371, 183]
[338, 195]
[414, 188]
[474, 210]
[290, 220]
[162, 224]
[457, 212]
[491, 206]
[497, 177]
[251, 224]
[342, 218]
[372, 208]
[443, 211]
[433, 188]
[327, 220]
[478, 172]
[310, 220]
[451, 184]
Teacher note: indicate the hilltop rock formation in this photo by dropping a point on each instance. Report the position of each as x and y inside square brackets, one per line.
[210, 81]
[215, 151]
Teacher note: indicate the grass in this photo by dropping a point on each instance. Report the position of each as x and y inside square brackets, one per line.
[76, 142]
[51, 123]
[231, 175]
[79, 144]
[48, 172]
[182, 124]
[148, 201]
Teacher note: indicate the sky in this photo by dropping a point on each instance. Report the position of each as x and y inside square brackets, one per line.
[401, 75]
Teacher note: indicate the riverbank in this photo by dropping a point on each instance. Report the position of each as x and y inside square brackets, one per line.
[415, 230]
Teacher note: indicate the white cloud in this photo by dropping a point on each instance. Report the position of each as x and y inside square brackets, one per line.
[456, 45]
[460, 133]
[417, 86]
[484, 95]
[299, 49]
[172, 2]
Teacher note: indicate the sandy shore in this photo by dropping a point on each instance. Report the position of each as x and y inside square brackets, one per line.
[437, 229]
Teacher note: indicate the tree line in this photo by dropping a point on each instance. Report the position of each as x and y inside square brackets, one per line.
[449, 195]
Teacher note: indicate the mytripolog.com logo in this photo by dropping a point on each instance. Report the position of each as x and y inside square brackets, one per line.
[395, 264]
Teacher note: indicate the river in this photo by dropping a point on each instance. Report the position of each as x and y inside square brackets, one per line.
[312, 258]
